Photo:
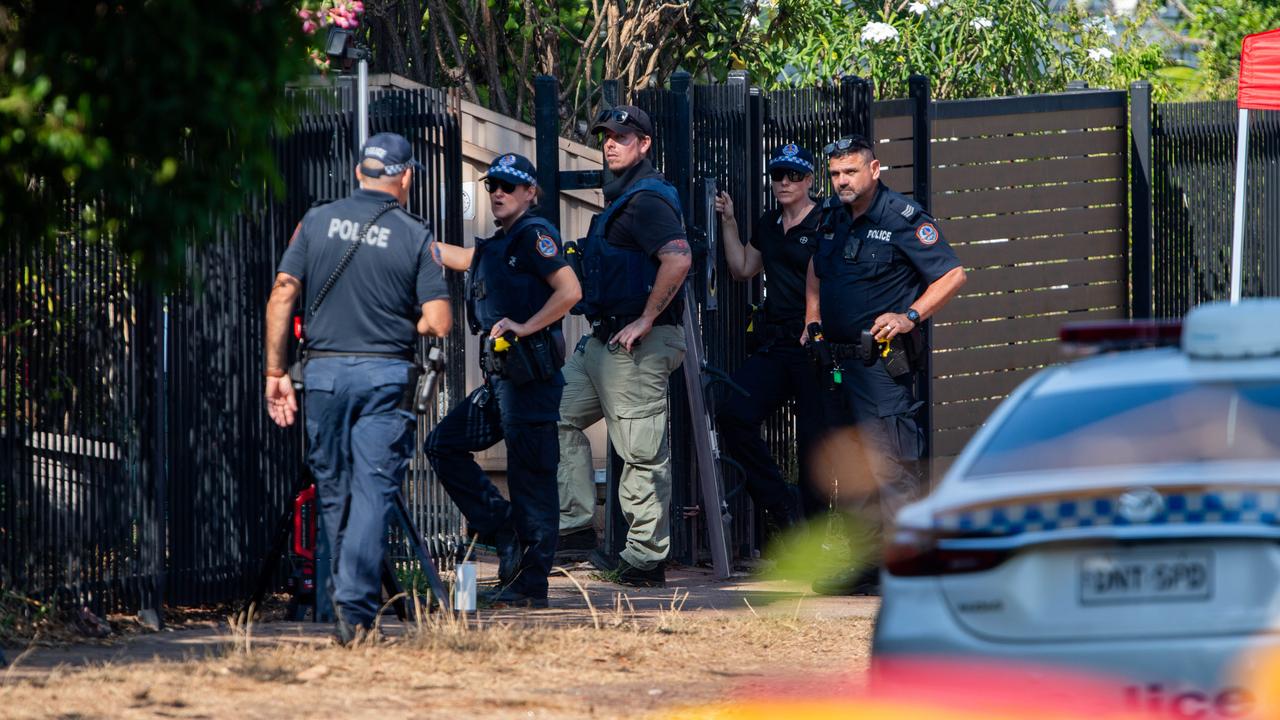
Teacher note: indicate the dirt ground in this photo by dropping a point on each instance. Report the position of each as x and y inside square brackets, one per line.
[628, 653]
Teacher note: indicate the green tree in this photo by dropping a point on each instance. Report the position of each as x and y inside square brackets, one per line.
[157, 117]
[1216, 28]
[968, 48]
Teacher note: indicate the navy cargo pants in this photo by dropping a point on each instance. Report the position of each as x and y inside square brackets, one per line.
[360, 444]
[772, 375]
[883, 411]
[525, 417]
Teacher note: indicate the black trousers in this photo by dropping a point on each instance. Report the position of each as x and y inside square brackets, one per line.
[773, 375]
[533, 451]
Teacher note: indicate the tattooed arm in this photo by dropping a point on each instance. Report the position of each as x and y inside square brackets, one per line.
[674, 260]
[453, 257]
[281, 403]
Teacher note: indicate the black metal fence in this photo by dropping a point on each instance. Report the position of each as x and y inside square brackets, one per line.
[140, 465]
[1186, 194]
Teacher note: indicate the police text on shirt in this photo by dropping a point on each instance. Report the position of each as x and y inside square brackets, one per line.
[346, 229]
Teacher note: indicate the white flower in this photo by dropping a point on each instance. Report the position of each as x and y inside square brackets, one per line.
[1098, 54]
[982, 23]
[1102, 24]
[878, 32]
[918, 8]
[935, 3]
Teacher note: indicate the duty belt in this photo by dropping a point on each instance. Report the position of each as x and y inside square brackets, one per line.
[407, 355]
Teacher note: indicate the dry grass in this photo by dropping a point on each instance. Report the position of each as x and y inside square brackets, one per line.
[618, 664]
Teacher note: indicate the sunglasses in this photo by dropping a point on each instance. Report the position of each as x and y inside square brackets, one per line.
[493, 185]
[781, 174]
[622, 117]
[856, 142]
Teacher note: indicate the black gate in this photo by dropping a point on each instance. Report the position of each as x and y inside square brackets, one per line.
[139, 464]
[1186, 192]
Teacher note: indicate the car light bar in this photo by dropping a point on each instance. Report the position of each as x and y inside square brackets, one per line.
[1089, 338]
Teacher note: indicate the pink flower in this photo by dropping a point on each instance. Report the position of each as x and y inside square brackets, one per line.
[357, 6]
[342, 22]
[309, 27]
[304, 14]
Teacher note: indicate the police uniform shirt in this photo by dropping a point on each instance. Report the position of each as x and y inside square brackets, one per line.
[786, 256]
[880, 262]
[375, 304]
[645, 223]
[533, 251]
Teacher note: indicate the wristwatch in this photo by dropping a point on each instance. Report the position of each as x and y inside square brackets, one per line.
[913, 316]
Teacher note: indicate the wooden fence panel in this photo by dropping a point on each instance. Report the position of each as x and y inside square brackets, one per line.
[1031, 193]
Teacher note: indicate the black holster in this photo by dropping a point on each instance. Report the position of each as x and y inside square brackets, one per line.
[536, 357]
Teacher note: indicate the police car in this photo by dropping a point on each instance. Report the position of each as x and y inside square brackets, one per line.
[1117, 514]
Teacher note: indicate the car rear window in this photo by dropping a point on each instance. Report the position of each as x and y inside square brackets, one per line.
[1154, 424]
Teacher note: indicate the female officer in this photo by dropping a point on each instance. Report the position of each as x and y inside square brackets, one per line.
[778, 368]
[519, 287]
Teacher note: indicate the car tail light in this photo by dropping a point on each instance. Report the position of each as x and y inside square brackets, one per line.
[913, 552]
[1089, 338]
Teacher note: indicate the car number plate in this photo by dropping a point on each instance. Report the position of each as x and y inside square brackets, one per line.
[1133, 577]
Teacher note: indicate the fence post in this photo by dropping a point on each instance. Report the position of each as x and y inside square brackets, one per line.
[755, 171]
[682, 144]
[1140, 225]
[855, 107]
[546, 113]
[921, 191]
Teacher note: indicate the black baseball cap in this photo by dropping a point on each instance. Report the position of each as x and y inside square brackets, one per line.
[513, 168]
[791, 157]
[392, 150]
[623, 118]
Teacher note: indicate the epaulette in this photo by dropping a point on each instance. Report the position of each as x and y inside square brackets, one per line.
[907, 210]
[423, 221]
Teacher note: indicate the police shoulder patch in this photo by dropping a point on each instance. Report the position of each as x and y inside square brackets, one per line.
[927, 234]
[546, 245]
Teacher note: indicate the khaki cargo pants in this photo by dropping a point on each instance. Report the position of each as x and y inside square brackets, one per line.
[628, 390]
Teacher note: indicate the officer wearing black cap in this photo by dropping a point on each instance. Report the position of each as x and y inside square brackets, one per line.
[778, 369]
[635, 259]
[370, 283]
[882, 266]
[519, 287]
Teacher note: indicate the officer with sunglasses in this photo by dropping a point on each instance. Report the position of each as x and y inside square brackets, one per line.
[519, 287]
[882, 266]
[782, 243]
[635, 259]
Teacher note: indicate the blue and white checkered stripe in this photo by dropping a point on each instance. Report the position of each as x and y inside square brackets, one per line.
[1239, 507]
[518, 175]
[791, 160]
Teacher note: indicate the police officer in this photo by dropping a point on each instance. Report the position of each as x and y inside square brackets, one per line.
[782, 243]
[635, 260]
[362, 311]
[518, 290]
[882, 265]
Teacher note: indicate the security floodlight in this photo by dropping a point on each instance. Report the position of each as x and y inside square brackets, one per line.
[342, 48]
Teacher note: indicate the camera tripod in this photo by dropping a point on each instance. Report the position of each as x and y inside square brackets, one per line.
[424, 395]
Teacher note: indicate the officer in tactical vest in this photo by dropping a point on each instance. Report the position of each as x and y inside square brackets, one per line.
[782, 243]
[883, 268]
[370, 283]
[519, 287]
[635, 259]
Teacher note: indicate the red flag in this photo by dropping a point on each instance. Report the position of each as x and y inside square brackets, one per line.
[1260, 71]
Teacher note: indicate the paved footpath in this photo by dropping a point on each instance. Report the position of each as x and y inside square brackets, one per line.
[690, 590]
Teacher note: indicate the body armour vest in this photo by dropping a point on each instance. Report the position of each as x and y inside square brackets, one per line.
[495, 288]
[617, 281]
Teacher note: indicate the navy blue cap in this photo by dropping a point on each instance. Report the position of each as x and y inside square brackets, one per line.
[791, 157]
[513, 168]
[392, 150]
